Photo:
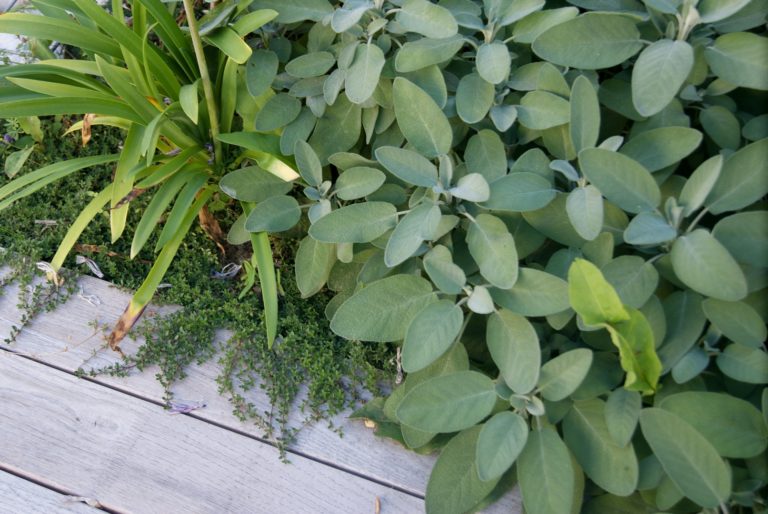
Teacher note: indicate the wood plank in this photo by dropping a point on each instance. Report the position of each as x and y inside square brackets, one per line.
[131, 456]
[19, 495]
[64, 338]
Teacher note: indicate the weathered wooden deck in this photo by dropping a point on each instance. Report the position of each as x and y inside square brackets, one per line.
[71, 445]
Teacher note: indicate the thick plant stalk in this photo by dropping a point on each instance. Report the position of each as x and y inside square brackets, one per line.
[265, 266]
[210, 99]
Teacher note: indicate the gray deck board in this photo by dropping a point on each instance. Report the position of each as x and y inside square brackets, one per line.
[19, 495]
[65, 339]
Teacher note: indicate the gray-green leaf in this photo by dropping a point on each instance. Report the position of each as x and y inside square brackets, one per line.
[659, 73]
[427, 19]
[447, 276]
[741, 59]
[362, 77]
[493, 62]
[501, 440]
[448, 403]
[430, 334]
[704, 265]
[493, 249]
[546, 474]
[275, 214]
[514, 347]
[622, 180]
[585, 211]
[687, 457]
[408, 165]
[591, 42]
[585, 114]
[356, 223]
[562, 375]
[426, 128]
[314, 261]
[410, 232]
[358, 181]
[382, 311]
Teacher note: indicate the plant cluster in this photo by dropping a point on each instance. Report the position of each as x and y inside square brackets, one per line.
[554, 209]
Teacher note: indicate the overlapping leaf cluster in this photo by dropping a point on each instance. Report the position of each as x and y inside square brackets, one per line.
[555, 211]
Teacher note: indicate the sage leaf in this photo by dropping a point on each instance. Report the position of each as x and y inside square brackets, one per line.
[337, 130]
[314, 261]
[743, 363]
[493, 249]
[415, 55]
[585, 211]
[536, 293]
[545, 473]
[622, 411]
[687, 457]
[427, 19]
[704, 265]
[308, 163]
[738, 321]
[634, 279]
[480, 301]
[448, 403]
[685, 321]
[454, 486]
[426, 128]
[741, 59]
[485, 154]
[591, 41]
[253, 184]
[431, 333]
[611, 466]
[592, 297]
[472, 187]
[649, 228]
[358, 181]
[447, 276]
[279, 111]
[622, 180]
[561, 376]
[493, 62]
[260, 71]
[733, 426]
[501, 440]
[745, 235]
[356, 223]
[382, 311]
[584, 115]
[291, 11]
[742, 180]
[362, 77]
[474, 98]
[514, 347]
[637, 352]
[520, 192]
[659, 73]
[700, 184]
[275, 214]
[539, 110]
[408, 165]
[410, 233]
[656, 149]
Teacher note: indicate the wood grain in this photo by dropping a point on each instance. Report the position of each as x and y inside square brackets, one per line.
[63, 338]
[133, 457]
[22, 496]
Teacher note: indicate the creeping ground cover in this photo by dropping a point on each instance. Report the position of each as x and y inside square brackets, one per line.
[552, 212]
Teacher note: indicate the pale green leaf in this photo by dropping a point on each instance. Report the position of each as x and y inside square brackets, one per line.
[362, 77]
[493, 62]
[687, 457]
[659, 73]
[536, 293]
[585, 211]
[314, 261]
[622, 180]
[520, 192]
[585, 114]
[493, 249]
[277, 112]
[649, 228]
[745, 236]
[611, 466]
[408, 165]
[485, 154]
[426, 128]
[472, 187]
[425, 18]
[744, 363]
[275, 214]
[356, 223]
[633, 278]
[733, 426]
[700, 184]
[541, 110]
[592, 297]
[418, 54]
[741, 59]
[501, 440]
[410, 233]
[738, 321]
[253, 184]
[622, 411]
[514, 347]
[591, 41]
[308, 163]
[546, 474]
[448, 403]
[382, 311]
[474, 98]
[358, 181]
[431, 333]
[447, 276]
[561, 376]
[658, 148]
[704, 265]
[743, 180]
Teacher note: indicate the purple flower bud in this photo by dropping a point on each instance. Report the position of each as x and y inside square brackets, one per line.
[209, 147]
[167, 101]
[9, 139]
